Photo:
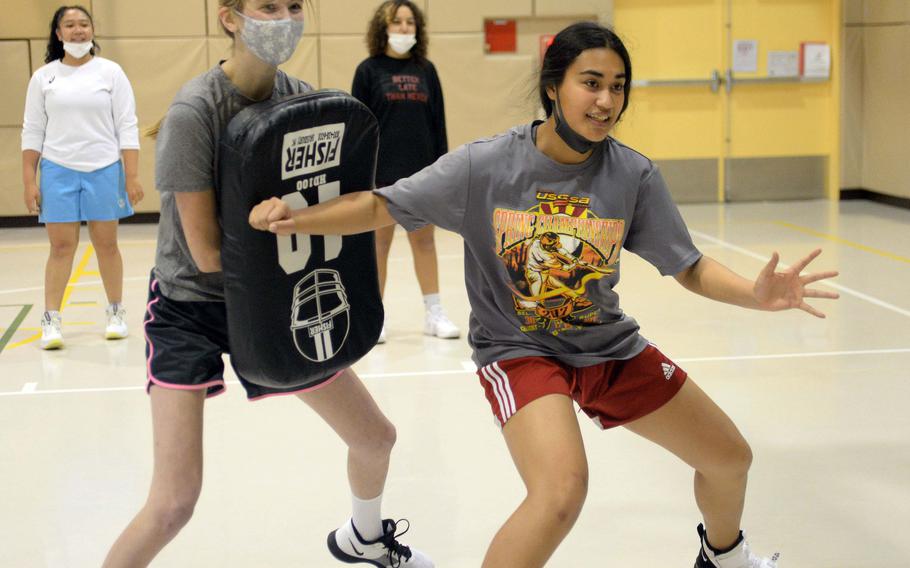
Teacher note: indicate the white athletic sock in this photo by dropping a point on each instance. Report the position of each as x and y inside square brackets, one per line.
[367, 517]
[52, 313]
[430, 300]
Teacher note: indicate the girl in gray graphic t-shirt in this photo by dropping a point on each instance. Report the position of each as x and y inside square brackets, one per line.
[545, 211]
[186, 324]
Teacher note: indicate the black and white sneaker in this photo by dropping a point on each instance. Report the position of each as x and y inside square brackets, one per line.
[348, 546]
[737, 557]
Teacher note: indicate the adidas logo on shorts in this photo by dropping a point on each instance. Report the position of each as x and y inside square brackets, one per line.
[668, 370]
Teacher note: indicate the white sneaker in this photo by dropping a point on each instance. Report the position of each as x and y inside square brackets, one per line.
[116, 323]
[381, 335]
[739, 557]
[438, 324]
[51, 331]
[346, 545]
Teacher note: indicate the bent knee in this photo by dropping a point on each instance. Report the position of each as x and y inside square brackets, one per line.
[378, 439]
[564, 497]
[172, 515]
[732, 460]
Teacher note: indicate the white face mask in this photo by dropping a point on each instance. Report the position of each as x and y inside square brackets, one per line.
[77, 50]
[402, 43]
[272, 41]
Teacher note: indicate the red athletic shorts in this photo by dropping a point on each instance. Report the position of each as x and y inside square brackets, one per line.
[611, 393]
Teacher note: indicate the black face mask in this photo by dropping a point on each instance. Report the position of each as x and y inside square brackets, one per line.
[572, 139]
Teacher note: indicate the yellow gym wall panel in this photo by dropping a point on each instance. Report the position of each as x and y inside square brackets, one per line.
[669, 39]
[778, 120]
[672, 123]
[162, 18]
[353, 16]
[339, 57]
[484, 94]
[27, 18]
[11, 172]
[603, 9]
[886, 122]
[681, 127]
[468, 15]
[13, 81]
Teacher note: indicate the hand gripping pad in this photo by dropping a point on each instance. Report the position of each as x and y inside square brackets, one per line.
[300, 308]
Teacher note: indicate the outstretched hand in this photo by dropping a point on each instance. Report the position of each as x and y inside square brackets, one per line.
[787, 289]
[273, 215]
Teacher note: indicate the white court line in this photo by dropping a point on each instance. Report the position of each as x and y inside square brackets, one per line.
[29, 387]
[428, 373]
[75, 285]
[829, 283]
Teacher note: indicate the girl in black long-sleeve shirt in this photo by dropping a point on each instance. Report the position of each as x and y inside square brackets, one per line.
[399, 84]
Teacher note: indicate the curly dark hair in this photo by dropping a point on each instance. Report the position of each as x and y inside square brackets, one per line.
[54, 45]
[377, 34]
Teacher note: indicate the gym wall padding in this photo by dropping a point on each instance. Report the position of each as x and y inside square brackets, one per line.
[27, 18]
[14, 62]
[886, 82]
[162, 18]
[352, 16]
[468, 15]
[162, 45]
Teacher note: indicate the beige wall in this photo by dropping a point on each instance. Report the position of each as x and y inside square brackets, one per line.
[162, 45]
[875, 119]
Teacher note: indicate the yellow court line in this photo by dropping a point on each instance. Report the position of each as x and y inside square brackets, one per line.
[78, 273]
[26, 341]
[839, 240]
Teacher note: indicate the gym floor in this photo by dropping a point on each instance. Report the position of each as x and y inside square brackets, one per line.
[822, 402]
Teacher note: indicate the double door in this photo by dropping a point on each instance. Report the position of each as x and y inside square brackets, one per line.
[720, 129]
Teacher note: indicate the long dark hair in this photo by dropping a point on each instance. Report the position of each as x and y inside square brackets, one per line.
[54, 45]
[378, 32]
[567, 46]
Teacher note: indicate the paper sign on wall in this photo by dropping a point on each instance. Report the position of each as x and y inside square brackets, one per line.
[815, 59]
[783, 64]
[745, 55]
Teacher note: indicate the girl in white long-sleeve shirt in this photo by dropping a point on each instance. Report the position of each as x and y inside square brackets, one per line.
[80, 118]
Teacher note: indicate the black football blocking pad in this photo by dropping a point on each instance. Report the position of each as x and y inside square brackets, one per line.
[300, 308]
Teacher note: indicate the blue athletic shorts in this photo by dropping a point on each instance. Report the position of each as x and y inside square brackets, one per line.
[69, 196]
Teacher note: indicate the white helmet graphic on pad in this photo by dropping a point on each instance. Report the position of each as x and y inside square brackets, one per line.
[321, 315]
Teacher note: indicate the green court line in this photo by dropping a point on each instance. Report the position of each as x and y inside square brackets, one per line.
[16, 323]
